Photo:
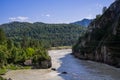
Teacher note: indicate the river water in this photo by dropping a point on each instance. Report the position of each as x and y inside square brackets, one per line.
[76, 69]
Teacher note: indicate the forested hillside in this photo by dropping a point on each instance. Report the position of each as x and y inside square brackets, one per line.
[102, 40]
[51, 34]
[17, 56]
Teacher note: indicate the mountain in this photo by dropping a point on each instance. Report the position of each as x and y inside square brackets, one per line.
[101, 42]
[51, 34]
[84, 22]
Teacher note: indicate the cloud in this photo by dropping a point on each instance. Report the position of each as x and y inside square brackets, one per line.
[19, 18]
[47, 15]
[22, 18]
[12, 18]
[90, 16]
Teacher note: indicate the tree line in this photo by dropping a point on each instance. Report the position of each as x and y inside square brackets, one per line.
[16, 53]
[50, 34]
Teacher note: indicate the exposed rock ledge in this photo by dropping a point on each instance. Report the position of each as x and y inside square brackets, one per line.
[102, 40]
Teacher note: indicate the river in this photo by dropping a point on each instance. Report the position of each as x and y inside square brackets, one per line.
[75, 69]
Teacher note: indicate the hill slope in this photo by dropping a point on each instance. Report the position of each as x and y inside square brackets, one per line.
[55, 34]
[102, 40]
[84, 22]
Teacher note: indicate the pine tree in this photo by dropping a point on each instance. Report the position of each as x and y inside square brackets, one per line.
[2, 36]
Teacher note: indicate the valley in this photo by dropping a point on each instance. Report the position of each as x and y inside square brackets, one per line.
[76, 69]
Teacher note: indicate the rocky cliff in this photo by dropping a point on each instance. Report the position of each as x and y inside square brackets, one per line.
[102, 40]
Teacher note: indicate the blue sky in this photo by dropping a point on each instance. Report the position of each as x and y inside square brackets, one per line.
[50, 11]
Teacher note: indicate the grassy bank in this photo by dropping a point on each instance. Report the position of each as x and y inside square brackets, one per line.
[12, 67]
[3, 71]
[60, 47]
[1, 78]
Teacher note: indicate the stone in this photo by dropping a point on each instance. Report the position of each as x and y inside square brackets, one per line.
[64, 72]
[9, 79]
[28, 63]
[54, 69]
[46, 64]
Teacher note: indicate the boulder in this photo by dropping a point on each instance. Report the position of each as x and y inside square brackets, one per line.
[46, 64]
[54, 69]
[28, 62]
[9, 79]
[64, 72]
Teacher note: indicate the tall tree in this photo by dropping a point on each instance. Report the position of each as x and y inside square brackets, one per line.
[9, 44]
[104, 9]
[2, 36]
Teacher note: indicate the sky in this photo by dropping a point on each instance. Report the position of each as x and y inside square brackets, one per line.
[50, 11]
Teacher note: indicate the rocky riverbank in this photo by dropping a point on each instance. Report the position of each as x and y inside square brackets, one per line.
[67, 68]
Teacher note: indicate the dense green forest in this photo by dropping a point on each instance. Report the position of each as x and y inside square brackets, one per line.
[13, 55]
[51, 34]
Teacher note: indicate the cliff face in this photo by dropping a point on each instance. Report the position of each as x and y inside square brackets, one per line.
[102, 40]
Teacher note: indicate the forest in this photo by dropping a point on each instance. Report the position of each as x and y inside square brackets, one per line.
[22, 42]
[50, 34]
[14, 55]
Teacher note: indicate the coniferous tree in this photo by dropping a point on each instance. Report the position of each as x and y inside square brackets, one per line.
[9, 44]
[2, 36]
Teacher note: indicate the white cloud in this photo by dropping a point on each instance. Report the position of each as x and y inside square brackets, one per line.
[22, 18]
[90, 16]
[47, 15]
[19, 18]
[12, 18]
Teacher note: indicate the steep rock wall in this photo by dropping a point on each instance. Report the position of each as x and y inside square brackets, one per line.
[102, 40]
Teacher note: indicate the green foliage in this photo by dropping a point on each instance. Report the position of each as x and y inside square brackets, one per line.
[51, 34]
[60, 47]
[13, 55]
[9, 44]
[30, 52]
[2, 36]
[3, 58]
[2, 78]
[17, 67]
[40, 55]
[3, 71]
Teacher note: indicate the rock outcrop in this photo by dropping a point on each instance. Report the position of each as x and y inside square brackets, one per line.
[102, 40]
[43, 64]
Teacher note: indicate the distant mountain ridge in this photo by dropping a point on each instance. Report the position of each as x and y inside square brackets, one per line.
[53, 34]
[84, 22]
